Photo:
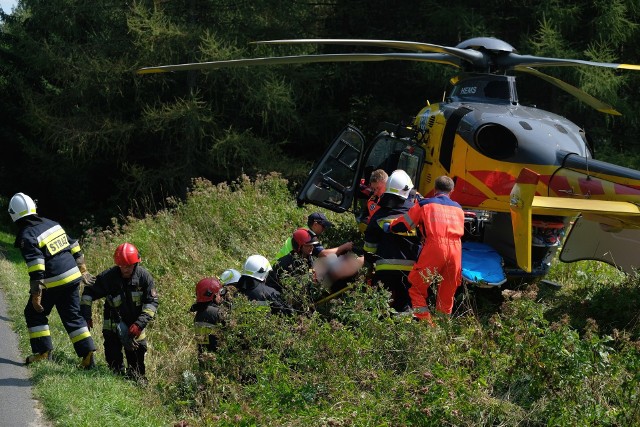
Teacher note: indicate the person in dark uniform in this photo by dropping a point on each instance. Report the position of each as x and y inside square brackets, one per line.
[252, 285]
[392, 255]
[209, 313]
[296, 263]
[56, 269]
[131, 303]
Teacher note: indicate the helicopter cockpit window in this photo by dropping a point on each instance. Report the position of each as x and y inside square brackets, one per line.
[497, 89]
[482, 90]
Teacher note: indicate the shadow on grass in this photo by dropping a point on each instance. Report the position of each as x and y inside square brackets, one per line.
[611, 306]
[8, 251]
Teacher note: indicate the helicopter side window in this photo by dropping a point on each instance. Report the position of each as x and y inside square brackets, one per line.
[390, 153]
[410, 163]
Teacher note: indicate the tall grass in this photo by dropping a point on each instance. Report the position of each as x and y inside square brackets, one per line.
[536, 357]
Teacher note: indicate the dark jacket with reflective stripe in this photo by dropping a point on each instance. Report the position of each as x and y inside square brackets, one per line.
[387, 250]
[133, 300]
[257, 291]
[208, 314]
[49, 252]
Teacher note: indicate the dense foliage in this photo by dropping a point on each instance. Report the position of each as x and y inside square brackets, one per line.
[520, 356]
[86, 136]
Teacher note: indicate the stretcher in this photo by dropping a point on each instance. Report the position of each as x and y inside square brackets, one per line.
[481, 265]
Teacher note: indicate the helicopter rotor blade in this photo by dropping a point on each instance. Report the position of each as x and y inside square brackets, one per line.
[305, 59]
[513, 60]
[468, 55]
[572, 90]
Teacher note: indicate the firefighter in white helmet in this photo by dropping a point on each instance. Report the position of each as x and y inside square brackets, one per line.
[392, 255]
[252, 284]
[230, 277]
[56, 268]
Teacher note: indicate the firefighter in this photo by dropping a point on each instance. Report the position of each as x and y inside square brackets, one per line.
[298, 262]
[392, 255]
[131, 303]
[317, 223]
[209, 297]
[230, 277]
[56, 269]
[441, 223]
[252, 284]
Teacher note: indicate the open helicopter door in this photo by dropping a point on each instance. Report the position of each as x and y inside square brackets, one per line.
[592, 240]
[336, 178]
[331, 183]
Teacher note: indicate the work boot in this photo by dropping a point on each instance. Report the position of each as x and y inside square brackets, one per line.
[36, 357]
[88, 362]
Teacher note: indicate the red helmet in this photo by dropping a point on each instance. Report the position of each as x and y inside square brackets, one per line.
[126, 254]
[301, 237]
[207, 288]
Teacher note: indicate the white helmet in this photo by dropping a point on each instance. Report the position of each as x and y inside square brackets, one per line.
[229, 277]
[256, 266]
[399, 183]
[20, 206]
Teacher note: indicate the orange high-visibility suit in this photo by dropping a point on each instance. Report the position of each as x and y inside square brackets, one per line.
[441, 223]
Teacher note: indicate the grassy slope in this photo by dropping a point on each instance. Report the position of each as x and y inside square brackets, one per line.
[566, 357]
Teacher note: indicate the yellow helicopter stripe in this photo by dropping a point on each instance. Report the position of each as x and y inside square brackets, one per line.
[150, 71]
[569, 206]
[629, 66]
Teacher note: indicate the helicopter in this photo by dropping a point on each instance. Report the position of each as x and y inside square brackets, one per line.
[526, 177]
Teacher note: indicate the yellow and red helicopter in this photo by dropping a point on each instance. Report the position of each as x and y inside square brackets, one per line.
[526, 176]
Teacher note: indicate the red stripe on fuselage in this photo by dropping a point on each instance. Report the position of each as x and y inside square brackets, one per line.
[467, 194]
[500, 183]
[591, 186]
[626, 190]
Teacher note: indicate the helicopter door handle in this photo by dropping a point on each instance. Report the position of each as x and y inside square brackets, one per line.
[569, 191]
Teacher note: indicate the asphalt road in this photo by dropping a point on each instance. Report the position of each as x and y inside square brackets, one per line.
[17, 406]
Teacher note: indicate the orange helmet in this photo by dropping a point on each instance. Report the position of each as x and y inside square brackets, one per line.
[207, 288]
[126, 254]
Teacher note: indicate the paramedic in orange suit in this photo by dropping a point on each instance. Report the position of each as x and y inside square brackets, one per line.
[441, 223]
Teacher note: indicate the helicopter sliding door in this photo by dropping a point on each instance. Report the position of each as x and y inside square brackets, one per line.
[331, 183]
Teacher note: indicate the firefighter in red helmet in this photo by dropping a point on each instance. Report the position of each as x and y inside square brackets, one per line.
[209, 313]
[131, 303]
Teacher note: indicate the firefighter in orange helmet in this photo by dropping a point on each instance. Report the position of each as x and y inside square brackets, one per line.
[441, 223]
[209, 313]
[131, 303]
